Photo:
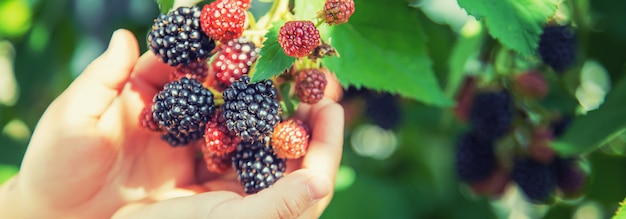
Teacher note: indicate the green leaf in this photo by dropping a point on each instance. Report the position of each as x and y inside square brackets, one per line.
[588, 132]
[621, 212]
[467, 46]
[385, 54]
[517, 24]
[6, 172]
[273, 60]
[307, 9]
[165, 5]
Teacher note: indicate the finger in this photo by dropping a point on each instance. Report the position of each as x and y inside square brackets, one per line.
[325, 148]
[288, 198]
[151, 72]
[94, 90]
[333, 89]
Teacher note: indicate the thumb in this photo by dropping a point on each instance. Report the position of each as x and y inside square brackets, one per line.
[290, 197]
[94, 89]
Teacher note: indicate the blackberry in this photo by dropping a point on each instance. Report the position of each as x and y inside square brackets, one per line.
[257, 166]
[233, 60]
[475, 158]
[383, 110]
[177, 38]
[560, 126]
[310, 85]
[570, 178]
[251, 110]
[557, 47]
[535, 179]
[491, 114]
[182, 109]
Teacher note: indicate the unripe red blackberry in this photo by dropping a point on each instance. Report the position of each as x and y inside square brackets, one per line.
[177, 38]
[557, 47]
[234, 60]
[257, 166]
[195, 70]
[491, 114]
[298, 38]
[536, 180]
[338, 11]
[223, 20]
[147, 121]
[251, 110]
[531, 84]
[475, 159]
[216, 163]
[182, 109]
[290, 139]
[218, 140]
[310, 85]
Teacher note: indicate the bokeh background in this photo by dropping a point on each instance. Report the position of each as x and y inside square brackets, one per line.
[401, 167]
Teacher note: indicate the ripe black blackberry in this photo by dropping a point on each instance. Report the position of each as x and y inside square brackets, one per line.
[251, 110]
[383, 110]
[177, 39]
[557, 47]
[491, 114]
[475, 158]
[570, 178]
[257, 166]
[182, 109]
[536, 180]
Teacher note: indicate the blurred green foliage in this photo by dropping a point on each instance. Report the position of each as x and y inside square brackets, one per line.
[52, 41]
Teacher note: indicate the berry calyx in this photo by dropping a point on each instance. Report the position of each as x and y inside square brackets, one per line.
[290, 139]
[310, 85]
[177, 38]
[338, 11]
[298, 38]
[218, 139]
[234, 60]
[223, 20]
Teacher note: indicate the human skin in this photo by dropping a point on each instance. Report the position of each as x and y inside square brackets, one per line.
[89, 157]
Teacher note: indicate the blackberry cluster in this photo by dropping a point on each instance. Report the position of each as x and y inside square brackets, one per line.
[557, 47]
[383, 110]
[536, 180]
[177, 38]
[257, 166]
[475, 159]
[251, 110]
[182, 109]
[491, 114]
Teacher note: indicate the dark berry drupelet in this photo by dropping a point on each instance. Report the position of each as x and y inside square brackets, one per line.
[257, 166]
[557, 47]
[491, 114]
[570, 178]
[475, 158]
[560, 126]
[177, 38]
[536, 180]
[383, 110]
[182, 109]
[251, 110]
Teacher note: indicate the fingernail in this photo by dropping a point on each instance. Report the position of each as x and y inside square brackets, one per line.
[319, 187]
